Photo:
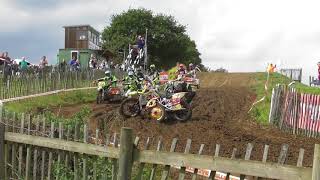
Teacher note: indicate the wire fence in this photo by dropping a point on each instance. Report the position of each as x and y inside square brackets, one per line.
[293, 74]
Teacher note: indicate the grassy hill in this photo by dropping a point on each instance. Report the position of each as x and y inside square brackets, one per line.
[261, 110]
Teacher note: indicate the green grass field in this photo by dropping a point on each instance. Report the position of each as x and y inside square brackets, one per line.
[45, 102]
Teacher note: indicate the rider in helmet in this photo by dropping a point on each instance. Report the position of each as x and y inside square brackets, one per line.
[153, 74]
[152, 69]
[110, 79]
[192, 70]
[191, 67]
[181, 72]
[139, 74]
[131, 82]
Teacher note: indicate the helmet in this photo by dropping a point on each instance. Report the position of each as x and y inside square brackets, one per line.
[181, 65]
[107, 72]
[130, 73]
[152, 66]
[190, 65]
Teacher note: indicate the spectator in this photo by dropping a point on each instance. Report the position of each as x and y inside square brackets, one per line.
[63, 65]
[43, 62]
[104, 65]
[77, 64]
[6, 62]
[72, 63]
[15, 68]
[271, 68]
[5, 58]
[141, 42]
[93, 62]
[23, 65]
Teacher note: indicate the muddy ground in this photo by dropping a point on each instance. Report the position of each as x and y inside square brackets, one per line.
[220, 116]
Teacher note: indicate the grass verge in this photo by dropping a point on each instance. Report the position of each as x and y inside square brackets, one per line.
[45, 102]
[261, 111]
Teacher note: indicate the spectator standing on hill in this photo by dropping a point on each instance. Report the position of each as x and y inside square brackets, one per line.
[23, 65]
[43, 62]
[6, 61]
[72, 64]
[63, 65]
[5, 58]
[78, 64]
[15, 68]
[93, 62]
[271, 68]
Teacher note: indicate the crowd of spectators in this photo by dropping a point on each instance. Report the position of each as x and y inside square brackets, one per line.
[75, 65]
[12, 66]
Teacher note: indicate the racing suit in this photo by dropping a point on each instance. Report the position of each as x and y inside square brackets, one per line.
[111, 81]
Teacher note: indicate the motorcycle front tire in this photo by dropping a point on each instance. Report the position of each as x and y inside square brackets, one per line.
[129, 114]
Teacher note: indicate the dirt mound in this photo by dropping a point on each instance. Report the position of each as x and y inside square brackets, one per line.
[220, 116]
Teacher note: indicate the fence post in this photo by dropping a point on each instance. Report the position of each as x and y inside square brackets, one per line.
[125, 154]
[316, 163]
[2, 150]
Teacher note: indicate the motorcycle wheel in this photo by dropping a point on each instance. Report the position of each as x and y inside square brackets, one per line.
[130, 107]
[158, 113]
[183, 115]
[99, 97]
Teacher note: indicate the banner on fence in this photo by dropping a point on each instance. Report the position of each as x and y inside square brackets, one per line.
[163, 77]
[206, 173]
[296, 111]
[309, 112]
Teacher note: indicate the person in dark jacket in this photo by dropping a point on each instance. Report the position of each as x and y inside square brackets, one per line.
[141, 42]
[5, 60]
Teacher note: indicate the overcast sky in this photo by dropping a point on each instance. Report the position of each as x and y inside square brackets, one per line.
[240, 35]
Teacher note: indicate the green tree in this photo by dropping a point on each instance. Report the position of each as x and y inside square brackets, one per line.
[168, 42]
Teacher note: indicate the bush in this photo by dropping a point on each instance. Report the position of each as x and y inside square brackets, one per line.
[79, 118]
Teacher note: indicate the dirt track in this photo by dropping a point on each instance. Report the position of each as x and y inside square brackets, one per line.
[219, 116]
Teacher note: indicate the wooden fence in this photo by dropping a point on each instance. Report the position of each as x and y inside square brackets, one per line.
[15, 86]
[294, 74]
[32, 148]
[295, 112]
